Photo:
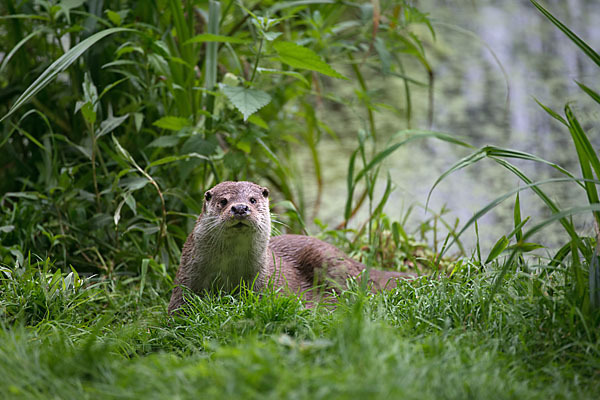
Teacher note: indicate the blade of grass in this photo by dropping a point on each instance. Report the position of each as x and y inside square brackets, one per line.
[382, 155]
[494, 152]
[580, 43]
[530, 185]
[593, 94]
[214, 11]
[58, 66]
[556, 217]
[588, 158]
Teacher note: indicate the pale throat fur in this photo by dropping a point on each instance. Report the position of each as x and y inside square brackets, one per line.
[231, 237]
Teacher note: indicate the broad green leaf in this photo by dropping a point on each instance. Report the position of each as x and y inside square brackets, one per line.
[66, 6]
[164, 141]
[297, 56]
[209, 37]
[58, 66]
[258, 121]
[134, 183]
[114, 17]
[111, 123]
[247, 101]
[498, 248]
[88, 113]
[244, 146]
[172, 123]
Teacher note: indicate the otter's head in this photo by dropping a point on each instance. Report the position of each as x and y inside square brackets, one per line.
[232, 208]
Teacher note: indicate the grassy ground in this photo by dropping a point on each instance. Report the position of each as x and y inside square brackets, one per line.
[64, 338]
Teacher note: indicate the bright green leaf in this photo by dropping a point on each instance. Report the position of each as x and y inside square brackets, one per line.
[209, 37]
[258, 121]
[304, 58]
[498, 248]
[172, 123]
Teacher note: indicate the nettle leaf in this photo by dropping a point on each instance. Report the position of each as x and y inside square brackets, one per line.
[247, 101]
[297, 56]
[172, 123]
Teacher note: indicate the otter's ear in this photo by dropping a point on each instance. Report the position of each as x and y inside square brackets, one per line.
[207, 195]
[265, 192]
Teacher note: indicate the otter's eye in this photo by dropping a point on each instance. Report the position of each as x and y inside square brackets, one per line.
[223, 202]
[252, 200]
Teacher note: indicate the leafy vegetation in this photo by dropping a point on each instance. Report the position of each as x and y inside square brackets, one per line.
[116, 115]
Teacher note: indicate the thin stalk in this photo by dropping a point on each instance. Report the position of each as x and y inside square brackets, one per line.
[260, 45]
[94, 178]
[214, 11]
[363, 86]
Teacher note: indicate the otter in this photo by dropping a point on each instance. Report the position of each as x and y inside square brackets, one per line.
[231, 244]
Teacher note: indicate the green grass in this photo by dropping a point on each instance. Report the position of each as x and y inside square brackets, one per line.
[426, 339]
[512, 326]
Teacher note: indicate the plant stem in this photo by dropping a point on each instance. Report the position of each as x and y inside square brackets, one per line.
[260, 45]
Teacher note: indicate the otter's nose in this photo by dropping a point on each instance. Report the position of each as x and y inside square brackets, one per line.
[240, 210]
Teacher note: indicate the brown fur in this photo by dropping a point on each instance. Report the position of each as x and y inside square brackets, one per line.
[231, 243]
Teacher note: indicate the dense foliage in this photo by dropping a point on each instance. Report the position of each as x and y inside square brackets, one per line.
[109, 150]
[117, 115]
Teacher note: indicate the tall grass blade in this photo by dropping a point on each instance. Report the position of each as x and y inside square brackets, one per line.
[414, 135]
[350, 185]
[588, 159]
[517, 219]
[492, 204]
[58, 66]
[494, 152]
[516, 250]
[592, 93]
[552, 113]
[214, 13]
[17, 47]
[580, 43]
[594, 280]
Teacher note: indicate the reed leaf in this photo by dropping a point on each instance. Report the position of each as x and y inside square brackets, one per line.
[58, 66]
[562, 215]
[580, 43]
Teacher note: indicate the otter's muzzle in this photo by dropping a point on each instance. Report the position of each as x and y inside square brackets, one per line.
[240, 211]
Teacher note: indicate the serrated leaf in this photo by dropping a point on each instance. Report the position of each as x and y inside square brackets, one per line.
[209, 37]
[247, 101]
[172, 123]
[297, 56]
